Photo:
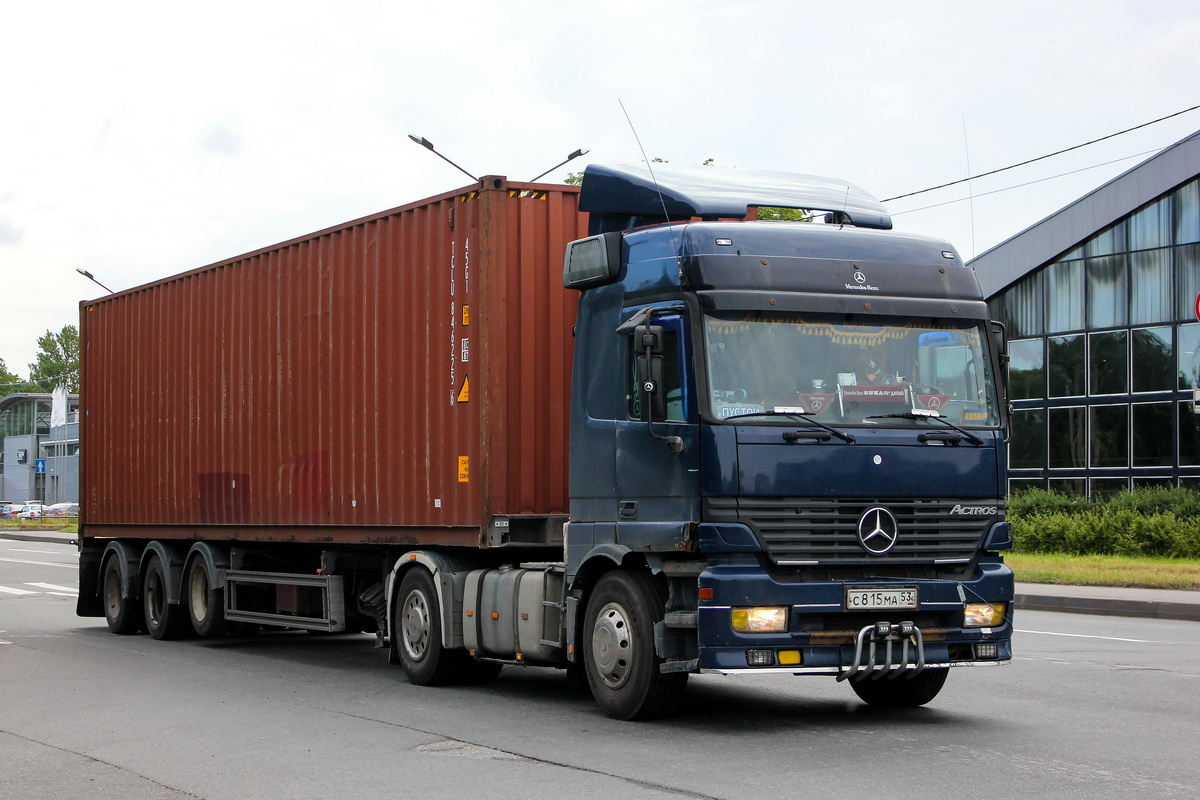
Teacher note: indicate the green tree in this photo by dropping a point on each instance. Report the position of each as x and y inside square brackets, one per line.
[10, 382]
[57, 360]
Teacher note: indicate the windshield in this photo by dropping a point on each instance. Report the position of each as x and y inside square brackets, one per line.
[843, 372]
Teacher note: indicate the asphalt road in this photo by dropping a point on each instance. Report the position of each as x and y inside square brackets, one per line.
[1093, 707]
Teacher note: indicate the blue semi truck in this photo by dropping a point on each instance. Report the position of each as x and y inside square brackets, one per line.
[786, 455]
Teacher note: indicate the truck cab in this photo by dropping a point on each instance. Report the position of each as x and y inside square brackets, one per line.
[797, 429]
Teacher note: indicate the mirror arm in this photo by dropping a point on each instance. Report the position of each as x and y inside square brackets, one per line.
[649, 387]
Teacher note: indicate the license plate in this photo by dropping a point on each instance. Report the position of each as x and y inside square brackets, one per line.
[881, 597]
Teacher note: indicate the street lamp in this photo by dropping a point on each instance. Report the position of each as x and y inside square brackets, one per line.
[428, 145]
[580, 152]
[92, 278]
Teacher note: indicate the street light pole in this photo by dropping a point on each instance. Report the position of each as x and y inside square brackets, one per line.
[92, 278]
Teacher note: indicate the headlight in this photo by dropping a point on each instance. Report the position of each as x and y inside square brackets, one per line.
[764, 619]
[984, 615]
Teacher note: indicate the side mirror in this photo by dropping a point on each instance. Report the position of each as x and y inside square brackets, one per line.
[648, 340]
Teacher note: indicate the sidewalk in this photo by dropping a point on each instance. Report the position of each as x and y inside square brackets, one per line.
[1106, 600]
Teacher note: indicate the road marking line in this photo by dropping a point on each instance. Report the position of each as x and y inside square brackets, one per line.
[43, 552]
[39, 563]
[1087, 636]
[8, 590]
[53, 587]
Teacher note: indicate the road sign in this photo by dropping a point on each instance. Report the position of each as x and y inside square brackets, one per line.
[39, 465]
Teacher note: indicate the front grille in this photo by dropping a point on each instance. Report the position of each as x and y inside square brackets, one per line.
[824, 532]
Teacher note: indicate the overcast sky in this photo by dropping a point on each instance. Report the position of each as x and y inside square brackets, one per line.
[144, 139]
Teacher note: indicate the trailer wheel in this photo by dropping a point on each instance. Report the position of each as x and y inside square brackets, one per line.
[901, 691]
[417, 631]
[163, 620]
[205, 602]
[123, 616]
[622, 667]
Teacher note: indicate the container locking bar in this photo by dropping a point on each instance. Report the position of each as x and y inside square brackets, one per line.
[887, 633]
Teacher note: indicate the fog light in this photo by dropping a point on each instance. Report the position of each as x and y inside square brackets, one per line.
[987, 650]
[765, 619]
[760, 658]
[789, 658]
[983, 615]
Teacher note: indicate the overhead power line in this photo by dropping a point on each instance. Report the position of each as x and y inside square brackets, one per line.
[1027, 183]
[1041, 158]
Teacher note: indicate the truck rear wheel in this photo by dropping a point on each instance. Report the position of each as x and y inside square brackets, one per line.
[164, 620]
[618, 648]
[901, 691]
[205, 602]
[417, 631]
[124, 616]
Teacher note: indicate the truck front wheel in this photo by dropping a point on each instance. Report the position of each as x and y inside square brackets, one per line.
[124, 616]
[417, 632]
[618, 647]
[901, 691]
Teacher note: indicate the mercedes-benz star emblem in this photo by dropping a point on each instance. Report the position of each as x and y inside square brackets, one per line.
[877, 530]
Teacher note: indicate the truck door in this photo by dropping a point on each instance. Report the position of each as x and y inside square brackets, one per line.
[657, 461]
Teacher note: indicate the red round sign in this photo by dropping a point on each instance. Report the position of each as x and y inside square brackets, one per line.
[1198, 306]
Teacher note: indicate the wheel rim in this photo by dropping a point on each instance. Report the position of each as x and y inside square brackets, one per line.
[198, 594]
[612, 646]
[415, 623]
[112, 593]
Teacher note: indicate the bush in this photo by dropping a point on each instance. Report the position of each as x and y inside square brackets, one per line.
[1146, 522]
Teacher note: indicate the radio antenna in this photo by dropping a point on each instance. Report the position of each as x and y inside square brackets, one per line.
[653, 177]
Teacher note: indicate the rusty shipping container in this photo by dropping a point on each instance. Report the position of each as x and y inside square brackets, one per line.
[398, 379]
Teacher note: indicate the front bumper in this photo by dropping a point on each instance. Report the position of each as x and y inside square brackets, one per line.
[824, 638]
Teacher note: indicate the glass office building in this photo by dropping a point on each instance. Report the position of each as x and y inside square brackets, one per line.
[1103, 333]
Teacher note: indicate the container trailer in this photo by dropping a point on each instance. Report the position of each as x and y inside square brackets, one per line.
[626, 430]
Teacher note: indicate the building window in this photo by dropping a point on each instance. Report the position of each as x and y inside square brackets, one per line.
[1109, 436]
[1022, 310]
[1109, 362]
[1021, 484]
[1064, 296]
[1027, 369]
[1106, 242]
[1153, 361]
[1188, 362]
[1151, 227]
[1189, 435]
[1069, 486]
[1151, 293]
[1108, 487]
[1153, 435]
[1187, 268]
[1066, 365]
[1067, 437]
[1027, 448]
[1187, 213]
[1108, 296]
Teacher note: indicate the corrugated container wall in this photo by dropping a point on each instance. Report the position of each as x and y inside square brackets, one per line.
[399, 378]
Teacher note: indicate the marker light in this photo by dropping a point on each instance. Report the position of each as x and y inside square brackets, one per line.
[987, 650]
[983, 615]
[763, 619]
[790, 658]
[760, 658]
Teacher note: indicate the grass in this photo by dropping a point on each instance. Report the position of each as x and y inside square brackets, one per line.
[1152, 573]
[65, 524]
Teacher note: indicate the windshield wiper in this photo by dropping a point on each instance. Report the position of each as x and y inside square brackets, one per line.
[925, 413]
[797, 413]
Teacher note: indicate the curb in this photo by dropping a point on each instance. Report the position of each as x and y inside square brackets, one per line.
[48, 537]
[1107, 606]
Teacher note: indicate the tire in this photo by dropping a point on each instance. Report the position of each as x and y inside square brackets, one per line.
[205, 602]
[417, 632]
[123, 615]
[164, 620]
[901, 691]
[618, 648]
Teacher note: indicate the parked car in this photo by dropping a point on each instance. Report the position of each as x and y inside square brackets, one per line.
[31, 511]
[8, 510]
[62, 510]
